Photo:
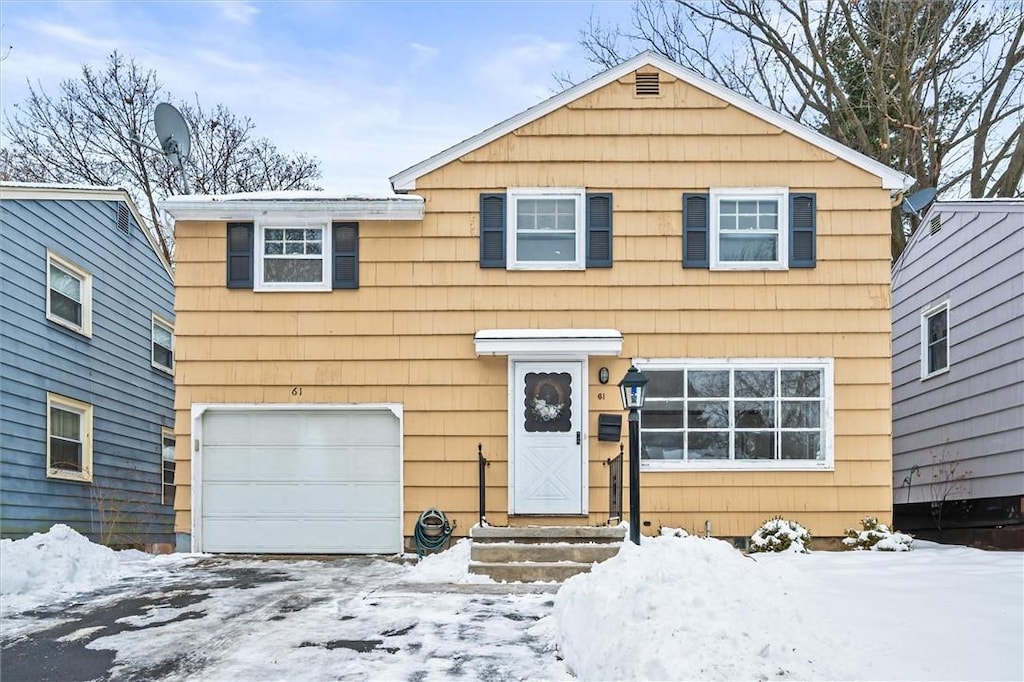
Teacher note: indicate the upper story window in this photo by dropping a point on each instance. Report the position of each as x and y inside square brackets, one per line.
[750, 229]
[738, 414]
[293, 258]
[162, 344]
[68, 438]
[280, 257]
[68, 294]
[546, 228]
[935, 340]
[746, 229]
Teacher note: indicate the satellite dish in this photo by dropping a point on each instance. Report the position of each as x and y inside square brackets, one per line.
[916, 202]
[172, 133]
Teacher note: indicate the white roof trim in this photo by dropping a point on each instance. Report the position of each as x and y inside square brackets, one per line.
[408, 207]
[58, 192]
[548, 341]
[890, 178]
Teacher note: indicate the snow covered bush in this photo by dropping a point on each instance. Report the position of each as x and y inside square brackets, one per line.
[674, 532]
[780, 535]
[877, 536]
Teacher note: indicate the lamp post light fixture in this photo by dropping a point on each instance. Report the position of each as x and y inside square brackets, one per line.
[633, 389]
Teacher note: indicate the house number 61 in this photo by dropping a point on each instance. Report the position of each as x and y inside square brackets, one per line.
[297, 390]
[600, 396]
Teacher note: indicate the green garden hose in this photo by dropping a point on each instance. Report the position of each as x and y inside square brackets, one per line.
[432, 532]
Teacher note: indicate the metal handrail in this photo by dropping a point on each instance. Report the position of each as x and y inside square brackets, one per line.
[482, 464]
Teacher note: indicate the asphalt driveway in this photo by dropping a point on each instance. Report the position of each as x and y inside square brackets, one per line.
[244, 618]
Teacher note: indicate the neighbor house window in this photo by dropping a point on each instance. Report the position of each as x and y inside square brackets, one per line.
[68, 294]
[547, 228]
[167, 469]
[738, 414]
[749, 228]
[935, 340]
[68, 438]
[293, 258]
[163, 344]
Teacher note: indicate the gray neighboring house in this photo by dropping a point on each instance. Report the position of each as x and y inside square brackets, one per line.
[958, 373]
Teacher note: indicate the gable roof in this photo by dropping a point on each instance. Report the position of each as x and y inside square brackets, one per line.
[890, 178]
[59, 192]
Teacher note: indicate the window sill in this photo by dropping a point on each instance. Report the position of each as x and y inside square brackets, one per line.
[81, 477]
[310, 289]
[81, 331]
[161, 368]
[554, 267]
[733, 465]
[944, 370]
[749, 267]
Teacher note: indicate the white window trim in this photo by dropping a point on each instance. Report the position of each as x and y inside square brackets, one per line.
[827, 365]
[327, 249]
[925, 315]
[514, 194]
[158, 320]
[165, 433]
[717, 195]
[85, 410]
[85, 329]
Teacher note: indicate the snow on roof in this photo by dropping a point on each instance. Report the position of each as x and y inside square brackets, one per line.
[61, 186]
[310, 205]
[293, 195]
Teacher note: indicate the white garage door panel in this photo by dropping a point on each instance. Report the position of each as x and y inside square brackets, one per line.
[317, 536]
[301, 482]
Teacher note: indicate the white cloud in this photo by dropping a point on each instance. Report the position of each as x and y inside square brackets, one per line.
[523, 71]
[73, 36]
[237, 12]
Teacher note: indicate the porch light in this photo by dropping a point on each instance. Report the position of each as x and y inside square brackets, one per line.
[633, 389]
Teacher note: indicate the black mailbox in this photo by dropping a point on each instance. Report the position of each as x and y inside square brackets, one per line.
[609, 427]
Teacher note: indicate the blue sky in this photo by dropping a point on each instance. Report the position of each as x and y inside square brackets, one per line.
[369, 88]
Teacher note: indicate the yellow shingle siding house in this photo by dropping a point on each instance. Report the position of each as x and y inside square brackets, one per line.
[340, 359]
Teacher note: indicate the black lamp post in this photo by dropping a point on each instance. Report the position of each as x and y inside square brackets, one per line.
[633, 389]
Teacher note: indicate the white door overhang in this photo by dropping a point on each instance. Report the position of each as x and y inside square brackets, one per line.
[526, 342]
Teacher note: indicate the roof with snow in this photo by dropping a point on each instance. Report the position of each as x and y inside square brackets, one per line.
[311, 205]
[890, 178]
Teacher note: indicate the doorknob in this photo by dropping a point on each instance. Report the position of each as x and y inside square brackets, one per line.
[579, 439]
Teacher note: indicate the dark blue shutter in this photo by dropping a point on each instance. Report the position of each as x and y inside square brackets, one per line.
[492, 230]
[345, 259]
[599, 230]
[695, 230]
[803, 228]
[240, 258]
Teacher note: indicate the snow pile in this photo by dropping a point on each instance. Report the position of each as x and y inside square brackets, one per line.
[674, 532]
[45, 566]
[694, 608]
[779, 535]
[878, 537]
[449, 566]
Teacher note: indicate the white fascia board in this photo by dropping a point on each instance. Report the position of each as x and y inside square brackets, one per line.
[891, 179]
[397, 209]
[522, 342]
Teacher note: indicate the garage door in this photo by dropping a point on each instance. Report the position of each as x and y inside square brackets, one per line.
[301, 481]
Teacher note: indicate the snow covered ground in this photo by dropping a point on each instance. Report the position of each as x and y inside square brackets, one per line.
[674, 608]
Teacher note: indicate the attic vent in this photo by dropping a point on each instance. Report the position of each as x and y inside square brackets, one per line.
[123, 214]
[647, 84]
[935, 226]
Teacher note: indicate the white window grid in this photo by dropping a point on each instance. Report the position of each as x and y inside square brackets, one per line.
[927, 345]
[777, 195]
[517, 194]
[84, 413]
[298, 239]
[823, 401]
[160, 324]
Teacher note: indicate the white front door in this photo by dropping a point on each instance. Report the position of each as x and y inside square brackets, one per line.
[546, 462]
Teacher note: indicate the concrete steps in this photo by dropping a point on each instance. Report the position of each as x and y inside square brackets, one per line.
[540, 553]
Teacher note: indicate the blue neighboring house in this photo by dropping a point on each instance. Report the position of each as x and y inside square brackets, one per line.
[86, 367]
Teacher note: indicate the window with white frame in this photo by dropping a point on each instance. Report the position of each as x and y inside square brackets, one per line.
[293, 258]
[737, 414]
[935, 340]
[749, 228]
[162, 344]
[547, 228]
[68, 438]
[68, 294]
[167, 467]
